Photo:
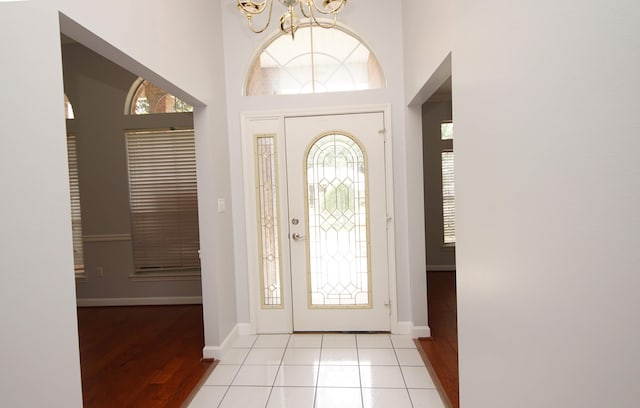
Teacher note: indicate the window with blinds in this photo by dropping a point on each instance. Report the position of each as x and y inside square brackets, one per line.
[448, 185]
[164, 201]
[76, 218]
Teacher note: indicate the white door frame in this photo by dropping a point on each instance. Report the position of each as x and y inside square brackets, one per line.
[272, 122]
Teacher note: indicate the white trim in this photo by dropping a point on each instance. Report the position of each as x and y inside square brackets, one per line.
[319, 111]
[218, 352]
[263, 320]
[441, 268]
[106, 237]
[249, 193]
[245, 329]
[140, 301]
[414, 331]
[403, 328]
[132, 92]
[391, 219]
[420, 331]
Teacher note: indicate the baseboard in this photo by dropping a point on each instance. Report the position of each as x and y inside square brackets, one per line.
[139, 301]
[420, 331]
[441, 268]
[244, 329]
[218, 352]
[413, 331]
[402, 328]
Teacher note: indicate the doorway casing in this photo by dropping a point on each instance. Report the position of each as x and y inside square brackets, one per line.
[279, 320]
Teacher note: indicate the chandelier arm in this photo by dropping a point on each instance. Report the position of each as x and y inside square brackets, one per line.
[250, 7]
[293, 26]
[321, 24]
[320, 10]
[250, 23]
[305, 14]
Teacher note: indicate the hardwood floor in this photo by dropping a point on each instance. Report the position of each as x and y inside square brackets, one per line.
[442, 348]
[142, 356]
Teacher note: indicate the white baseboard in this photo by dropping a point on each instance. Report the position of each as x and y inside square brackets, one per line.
[402, 328]
[218, 352]
[414, 331]
[244, 329]
[140, 301]
[441, 268]
[421, 331]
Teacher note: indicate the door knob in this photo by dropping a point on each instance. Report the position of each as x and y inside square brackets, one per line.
[297, 237]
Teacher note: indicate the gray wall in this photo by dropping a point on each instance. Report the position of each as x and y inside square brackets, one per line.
[439, 257]
[97, 89]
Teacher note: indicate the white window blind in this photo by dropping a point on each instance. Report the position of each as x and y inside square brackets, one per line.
[164, 200]
[448, 186]
[448, 198]
[76, 218]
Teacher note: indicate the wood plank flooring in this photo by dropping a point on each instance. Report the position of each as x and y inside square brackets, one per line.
[442, 348]
[142, 356]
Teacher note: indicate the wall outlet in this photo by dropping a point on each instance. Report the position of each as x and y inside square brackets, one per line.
[100, 271]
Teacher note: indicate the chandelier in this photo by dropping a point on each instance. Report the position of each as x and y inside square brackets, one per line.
[290, 21]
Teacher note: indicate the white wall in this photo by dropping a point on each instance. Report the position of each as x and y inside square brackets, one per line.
[141, 37]
[170, 39]
[545, 101]
[428, 29]
[365, 20]
[40, 339]
[37, 299]
[545, 109]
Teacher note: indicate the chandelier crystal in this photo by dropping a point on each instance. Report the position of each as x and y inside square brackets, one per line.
[290, 20]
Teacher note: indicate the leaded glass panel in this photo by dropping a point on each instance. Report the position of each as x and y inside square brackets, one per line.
[268, 221]
[337, 208]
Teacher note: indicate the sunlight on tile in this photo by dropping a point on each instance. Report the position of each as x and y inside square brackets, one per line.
[291, 397]
[386, 398]
[338, 398]
[320, 371]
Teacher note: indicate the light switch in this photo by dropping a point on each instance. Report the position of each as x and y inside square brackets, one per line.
[221, 205]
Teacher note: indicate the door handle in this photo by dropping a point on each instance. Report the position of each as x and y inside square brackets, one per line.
[297, 237]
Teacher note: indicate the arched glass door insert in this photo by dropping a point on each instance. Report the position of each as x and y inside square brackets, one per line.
[337, 223]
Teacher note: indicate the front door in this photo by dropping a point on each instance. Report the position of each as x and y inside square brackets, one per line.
[337, 222]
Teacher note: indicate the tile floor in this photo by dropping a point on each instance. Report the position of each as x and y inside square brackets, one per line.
[320, 371]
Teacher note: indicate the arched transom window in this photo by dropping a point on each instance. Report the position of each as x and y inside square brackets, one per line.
[149, 98]
[318, 60]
